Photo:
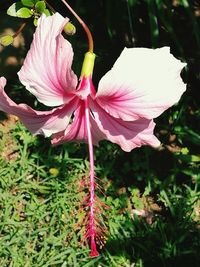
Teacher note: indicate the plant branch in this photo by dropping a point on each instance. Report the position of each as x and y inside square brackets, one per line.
[19, 30]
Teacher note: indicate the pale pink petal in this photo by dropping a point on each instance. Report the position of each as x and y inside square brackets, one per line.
[127, 134]
[46, 72]
[38, 122]
[142, 84]
[77, 131]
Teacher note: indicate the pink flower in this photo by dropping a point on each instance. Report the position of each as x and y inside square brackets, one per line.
[141, 85]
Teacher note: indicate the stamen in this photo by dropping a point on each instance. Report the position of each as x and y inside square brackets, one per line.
[91, 229]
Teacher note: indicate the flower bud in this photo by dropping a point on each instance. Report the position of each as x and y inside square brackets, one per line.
[6, 40]
[69, 29]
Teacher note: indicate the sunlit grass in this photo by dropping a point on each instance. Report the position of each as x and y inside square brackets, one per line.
[39, 199]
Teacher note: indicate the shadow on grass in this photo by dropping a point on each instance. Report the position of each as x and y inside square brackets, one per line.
[171, 241]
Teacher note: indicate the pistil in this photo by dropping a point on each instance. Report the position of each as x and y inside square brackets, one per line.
[91, 226]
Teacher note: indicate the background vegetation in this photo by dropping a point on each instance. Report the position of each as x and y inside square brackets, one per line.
[39, 203]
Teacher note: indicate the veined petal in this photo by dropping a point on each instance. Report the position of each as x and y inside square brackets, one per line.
[85, 88]
[77, 131]
[38, 122]
[142, 84]
[126, 134]
[46, 71]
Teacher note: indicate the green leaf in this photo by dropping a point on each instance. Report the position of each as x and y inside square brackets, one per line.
[6, 40]
[188, 134]
[189, 158]
[17, 10]
[40, 7]
[153, 23]
[24, 12]
[28, 3]
[12, 10]
[47, 12]
[132, 2]
[35, 22]
[184, 151]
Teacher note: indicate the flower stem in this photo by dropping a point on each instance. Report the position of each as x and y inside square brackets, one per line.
[19, 30]
[85, 27]
[94, 252]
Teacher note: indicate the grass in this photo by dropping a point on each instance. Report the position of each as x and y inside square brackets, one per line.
[39, 206]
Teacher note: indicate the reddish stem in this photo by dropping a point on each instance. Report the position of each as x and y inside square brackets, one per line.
[85, 27]
[92, 233]
[19, 30]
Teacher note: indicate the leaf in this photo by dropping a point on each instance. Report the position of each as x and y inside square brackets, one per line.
[189, 158]
[153, 23]
[47, 12]
[40, 7]
[24, 12]
[132, 2]
[6, 40]
[35, 22]
[17, 10]
[188, 134]
[28, 3]
[184, 151]
[12, 10]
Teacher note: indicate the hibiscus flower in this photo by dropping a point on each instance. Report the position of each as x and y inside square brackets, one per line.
[140, 86]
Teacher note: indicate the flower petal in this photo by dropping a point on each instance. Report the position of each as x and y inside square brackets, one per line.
[77, 131]
[142, 84]
[127, 134]
[38, 122]
[46, 72]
